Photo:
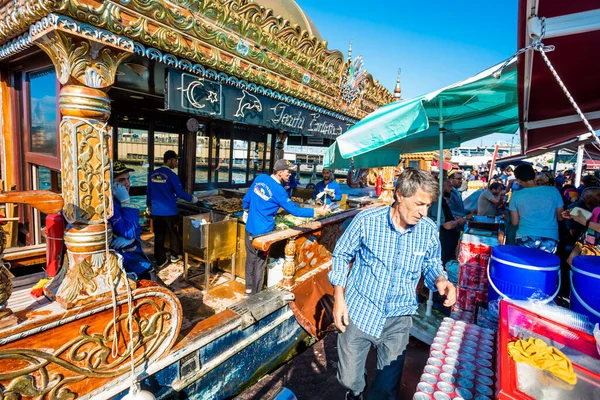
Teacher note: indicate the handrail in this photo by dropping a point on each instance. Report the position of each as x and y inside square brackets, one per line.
[44, 200]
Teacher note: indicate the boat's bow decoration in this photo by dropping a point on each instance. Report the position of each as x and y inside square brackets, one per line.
[67, 354]
[559, 78]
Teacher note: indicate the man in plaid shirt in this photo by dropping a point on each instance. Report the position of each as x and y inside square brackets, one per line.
[390, 248]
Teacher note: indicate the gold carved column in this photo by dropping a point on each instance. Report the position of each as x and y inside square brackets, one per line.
[86, 60]
[387, 194]
[289, 264]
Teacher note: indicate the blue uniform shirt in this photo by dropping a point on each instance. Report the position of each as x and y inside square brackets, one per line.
[125, 222]
[537, 211]
[332, 185]
[164, 188]
[388, 263]
[456, 203]
[263, 200]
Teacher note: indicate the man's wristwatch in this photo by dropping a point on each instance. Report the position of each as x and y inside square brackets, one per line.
[439, 277]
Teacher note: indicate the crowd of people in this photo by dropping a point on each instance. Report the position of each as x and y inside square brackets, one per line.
[540, 209]
[536, 204]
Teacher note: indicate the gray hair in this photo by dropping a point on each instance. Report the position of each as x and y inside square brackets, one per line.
[412, 180]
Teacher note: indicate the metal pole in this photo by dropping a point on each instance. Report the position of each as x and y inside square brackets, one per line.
[579, 167]
[441, 180]
[440, 198]
[555, 163]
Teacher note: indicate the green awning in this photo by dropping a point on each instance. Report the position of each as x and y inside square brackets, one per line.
[475, 107]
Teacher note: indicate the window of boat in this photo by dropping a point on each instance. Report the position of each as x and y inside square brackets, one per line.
[202, 155]
[257, 157]
[268, 148]
[43, 179]
[221, 155]
[240, 161]
[43, 112]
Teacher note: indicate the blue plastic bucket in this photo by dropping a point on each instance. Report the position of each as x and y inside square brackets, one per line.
[518, 273]
[585, 285]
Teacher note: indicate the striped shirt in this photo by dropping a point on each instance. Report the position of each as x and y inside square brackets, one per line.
[388, 263]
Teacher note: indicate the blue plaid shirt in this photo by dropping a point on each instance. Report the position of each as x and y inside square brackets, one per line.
[388, 264]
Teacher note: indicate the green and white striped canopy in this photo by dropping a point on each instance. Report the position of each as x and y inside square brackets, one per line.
[475, 107]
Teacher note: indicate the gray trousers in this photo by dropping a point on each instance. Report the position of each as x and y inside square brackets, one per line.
[256, 260]
[353, 348]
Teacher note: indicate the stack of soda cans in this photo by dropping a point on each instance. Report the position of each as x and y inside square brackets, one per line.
[473, 257]
[460, 364]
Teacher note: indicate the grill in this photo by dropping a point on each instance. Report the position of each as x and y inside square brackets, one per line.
[209, 237]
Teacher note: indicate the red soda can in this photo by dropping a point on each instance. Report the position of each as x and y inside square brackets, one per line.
[460, 329]
[468, 365]
[471, 276]
[441, 396]
[423, 395]
[484, 380]
[452, 361]
[440, 340]
[484, 256]
[465, 383]
[429, 378]
[449, 369]
[484, 390]
[465, 373]
[485, 363]
[481, 296]
[453, 346]
[436, 362]
[448, 378]
[451, 353]
[431, 370]
[438, 346]
[468, 316]
[484, 371]
[425, 387]
[471, 337]
[463, 393]
[445, 387]
[485, 348]
[437, 354]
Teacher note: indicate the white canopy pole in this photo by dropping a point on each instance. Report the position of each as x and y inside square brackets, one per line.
[579, 166]
[440, 197]
[555, 163]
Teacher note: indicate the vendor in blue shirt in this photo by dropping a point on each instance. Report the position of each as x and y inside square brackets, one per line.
[164, 188]
[126, 227]
[333, 193]
[263, 200]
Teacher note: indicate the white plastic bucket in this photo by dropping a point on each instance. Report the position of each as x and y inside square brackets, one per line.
[274, 273]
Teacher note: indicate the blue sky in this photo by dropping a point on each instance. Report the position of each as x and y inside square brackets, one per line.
[435, 42]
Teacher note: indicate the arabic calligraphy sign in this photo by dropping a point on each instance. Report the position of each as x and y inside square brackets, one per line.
[195, 95]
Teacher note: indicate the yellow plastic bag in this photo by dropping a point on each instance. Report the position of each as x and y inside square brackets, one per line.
[537, 353]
